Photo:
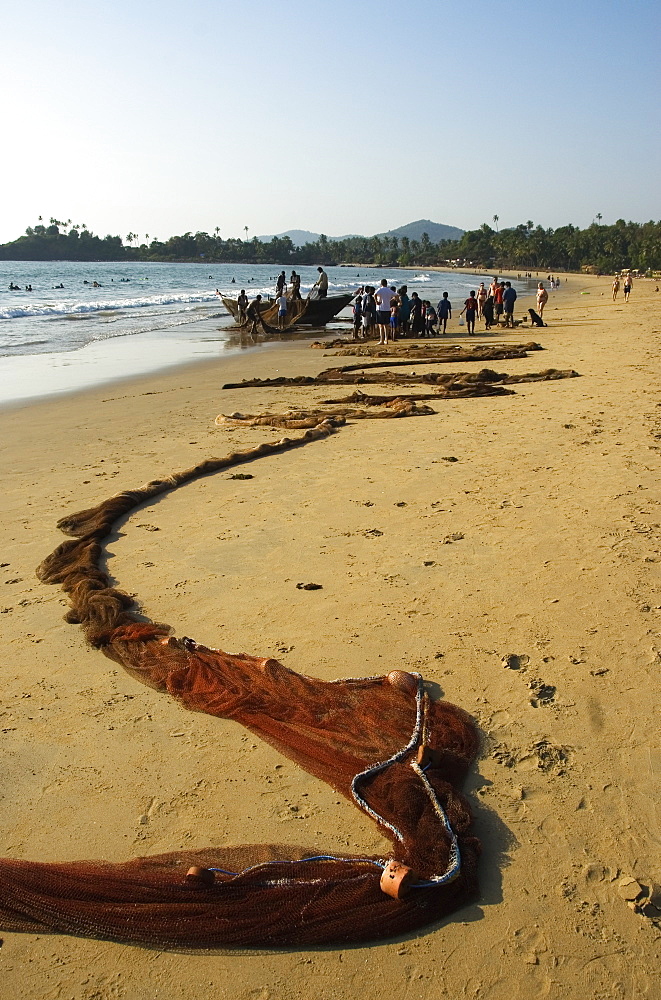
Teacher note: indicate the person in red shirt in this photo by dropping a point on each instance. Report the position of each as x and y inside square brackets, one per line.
[470, 308]
[498, 302]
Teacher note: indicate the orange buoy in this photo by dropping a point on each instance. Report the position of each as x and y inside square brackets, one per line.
[396, 879]
[200, 876]
[403, 680]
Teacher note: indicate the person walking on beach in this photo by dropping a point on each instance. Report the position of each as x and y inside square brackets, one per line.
[509, 298]
[383, 298]
[242, 303]
[542, 298]
[616, 287]
[295, 282]
[322, 283]
[470, 308]
[628, 285]
[481, 297]
[281, 303]
[444, 313]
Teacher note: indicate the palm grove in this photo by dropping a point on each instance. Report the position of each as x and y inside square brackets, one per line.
[524, 247]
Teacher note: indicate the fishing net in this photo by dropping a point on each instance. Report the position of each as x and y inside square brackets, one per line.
[268, 314]
[380, 741]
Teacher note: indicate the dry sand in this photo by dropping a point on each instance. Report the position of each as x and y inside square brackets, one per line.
[555, 496]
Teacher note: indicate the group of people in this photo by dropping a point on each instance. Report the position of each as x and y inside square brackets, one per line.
[389, 312]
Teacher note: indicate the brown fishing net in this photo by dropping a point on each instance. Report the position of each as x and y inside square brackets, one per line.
[380, 741]
[268, 314]
[437, 351]
[372, 373]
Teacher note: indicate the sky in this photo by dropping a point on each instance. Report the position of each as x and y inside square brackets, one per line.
[336, 117]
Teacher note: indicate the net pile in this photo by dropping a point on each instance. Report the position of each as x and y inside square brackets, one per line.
[379, 741]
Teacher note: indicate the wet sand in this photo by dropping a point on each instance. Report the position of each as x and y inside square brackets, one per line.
[541, 617]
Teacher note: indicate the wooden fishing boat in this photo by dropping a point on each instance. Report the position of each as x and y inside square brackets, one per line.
[317, 312]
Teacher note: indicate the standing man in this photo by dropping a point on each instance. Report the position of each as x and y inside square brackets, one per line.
[281, 303]
[509, 298]
[470, 308]
[295, 282]
[383, 298]
[444, 313]
[498, 301]
[281, 284]
[322, 283]
[404, 310]
[628, 285]
[368, 306]
[358, 313]
[242, 303]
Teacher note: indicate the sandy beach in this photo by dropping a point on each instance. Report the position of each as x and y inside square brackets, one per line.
[508, 548]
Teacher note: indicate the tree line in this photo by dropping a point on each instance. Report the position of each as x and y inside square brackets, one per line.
[604, 249]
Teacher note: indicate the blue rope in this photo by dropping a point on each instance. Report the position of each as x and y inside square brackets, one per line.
[300, 861]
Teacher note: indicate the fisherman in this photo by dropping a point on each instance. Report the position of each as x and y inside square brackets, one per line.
[281, 303]
[322, 283]
[295, 282]
[280, 284]
[242, 303]
[253, 315]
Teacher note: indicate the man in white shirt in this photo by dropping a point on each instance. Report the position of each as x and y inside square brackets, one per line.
[281, 303]
[322, 283]
[384, 297]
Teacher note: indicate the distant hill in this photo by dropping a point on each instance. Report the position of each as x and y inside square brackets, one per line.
[300, 237]
[435, 230]
[414, 230]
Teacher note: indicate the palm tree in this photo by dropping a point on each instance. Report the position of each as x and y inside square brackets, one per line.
[216, 231]
[599, 216]
[495, 219]
[246, 229]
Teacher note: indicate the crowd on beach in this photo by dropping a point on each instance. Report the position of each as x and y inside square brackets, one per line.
[389, 312]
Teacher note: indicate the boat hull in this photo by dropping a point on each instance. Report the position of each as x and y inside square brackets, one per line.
[318, 312]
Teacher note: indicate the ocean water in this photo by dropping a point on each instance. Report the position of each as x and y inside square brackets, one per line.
[139, 318]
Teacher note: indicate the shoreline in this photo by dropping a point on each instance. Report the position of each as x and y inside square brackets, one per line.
[521, 579]
[60, 374]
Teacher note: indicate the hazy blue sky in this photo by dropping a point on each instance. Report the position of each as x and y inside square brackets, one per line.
[336, 117]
